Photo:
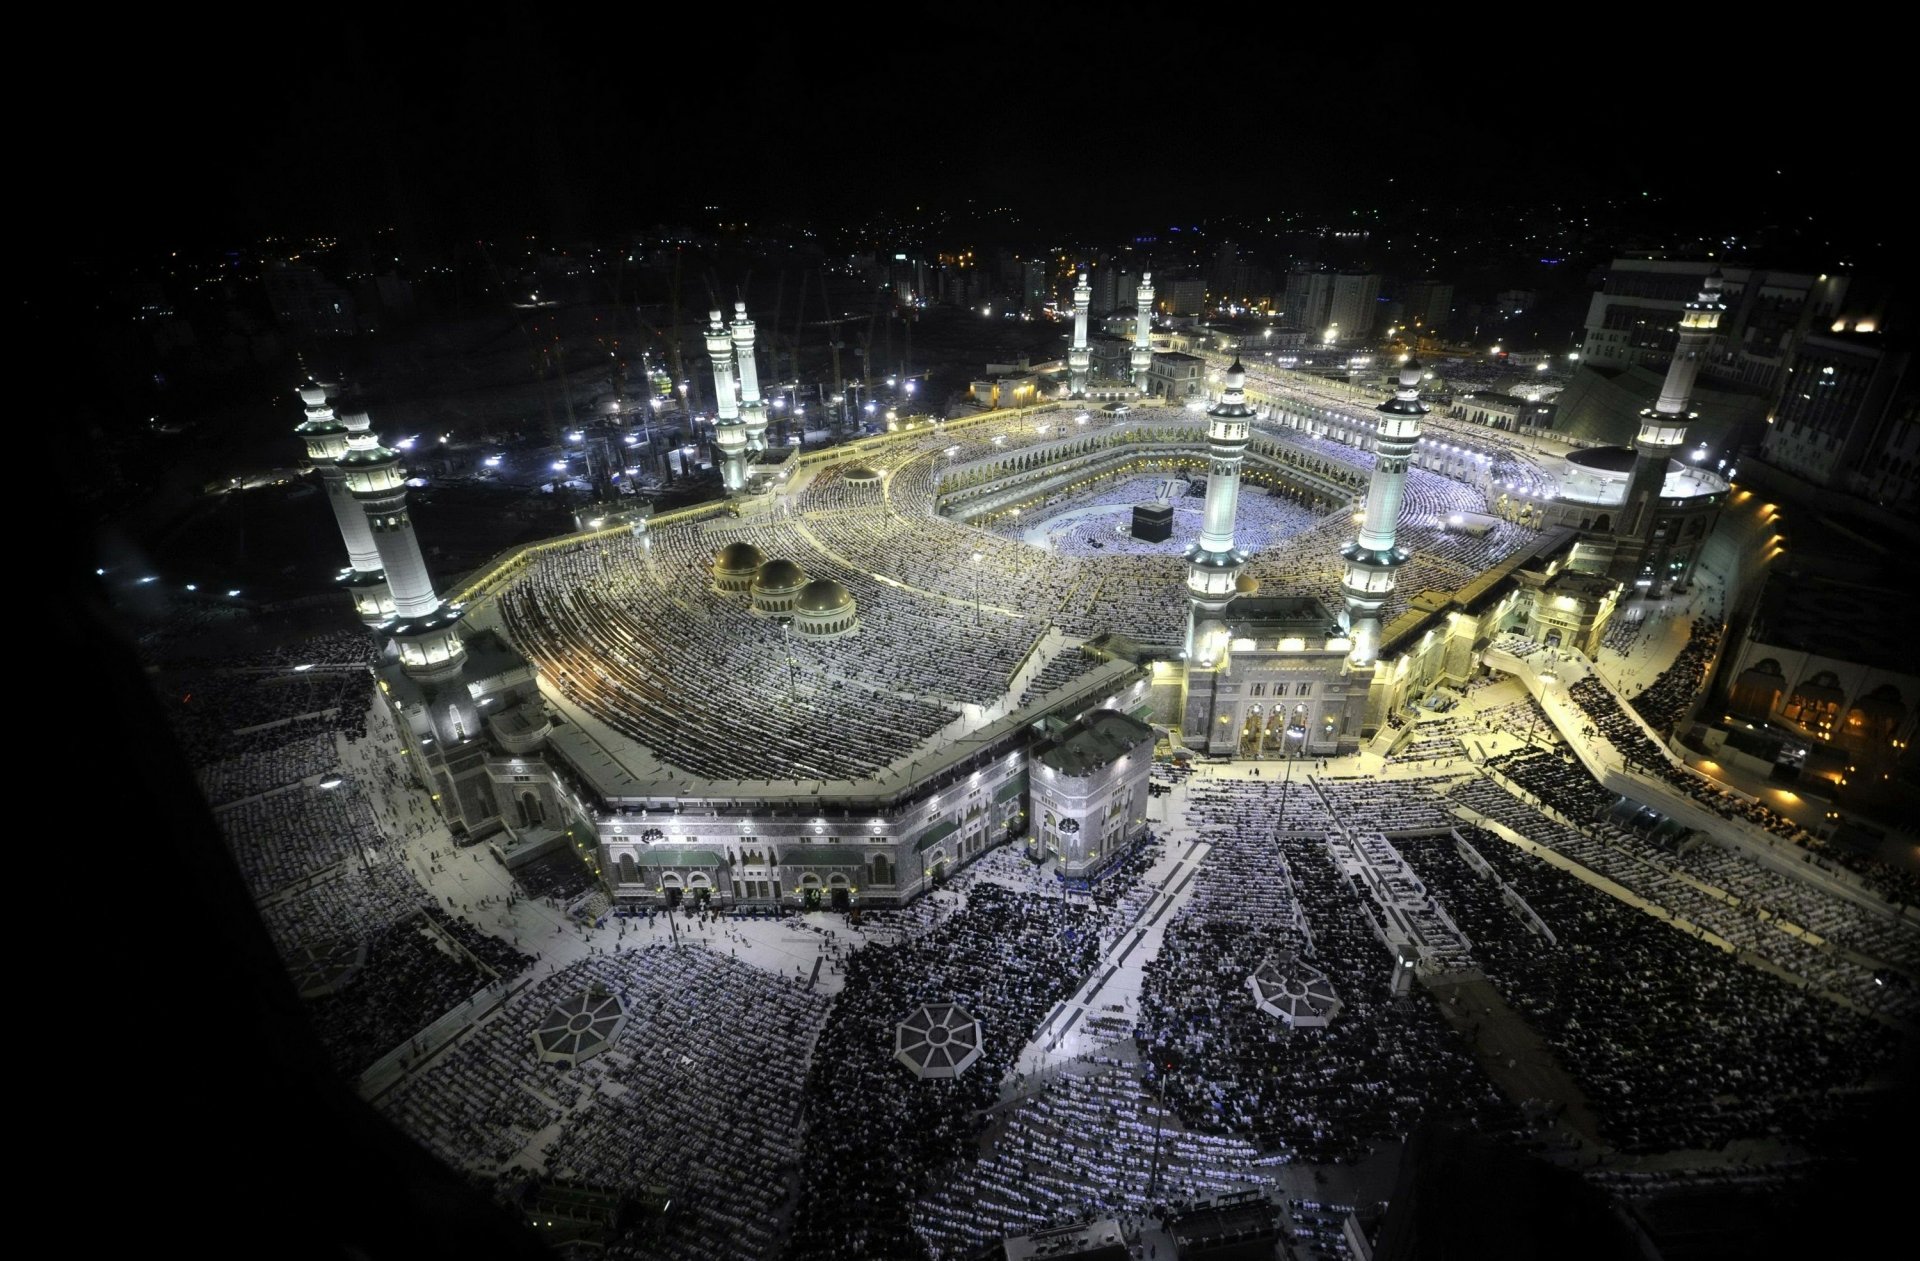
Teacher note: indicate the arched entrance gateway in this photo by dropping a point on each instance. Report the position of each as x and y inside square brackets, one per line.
[840, 892]
[701, 888]
[671, 889]
[809, 892]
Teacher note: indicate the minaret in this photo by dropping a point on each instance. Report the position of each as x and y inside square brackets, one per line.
[753, 413]
[1079, 358]
[1214, 565]
[327, 437]
[423, 630]
[1143, 331]
[1663, 430]
[1372, 558]
[729, 435]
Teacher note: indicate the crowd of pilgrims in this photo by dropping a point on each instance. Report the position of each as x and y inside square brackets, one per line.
[1641, 752]
[1263, 517]
[1717, 889]
[290, 759]
[1091, 1141]
[1318, 1094]
[1895, 884]
[1669, 698]
[1057, 673]
[633, 629]
[874, 1133]
[291, 833]
[1673, 1043]
[416, 968]
[697, 1094]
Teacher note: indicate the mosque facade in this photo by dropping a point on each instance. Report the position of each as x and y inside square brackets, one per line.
[1259, 674]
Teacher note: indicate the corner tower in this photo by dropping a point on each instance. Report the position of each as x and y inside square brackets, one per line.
[729, 434]
[1372, 559]
[424, 629]
[1214, 564]
[753, 412]
[328, 437]
[1663, 432]
[1142, 356]
[1079, 356]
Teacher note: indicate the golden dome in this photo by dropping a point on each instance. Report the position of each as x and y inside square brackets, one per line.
[1246, 584]
[823, 596]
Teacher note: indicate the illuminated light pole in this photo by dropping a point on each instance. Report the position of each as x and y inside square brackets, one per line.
[786, 650]
[976, 587]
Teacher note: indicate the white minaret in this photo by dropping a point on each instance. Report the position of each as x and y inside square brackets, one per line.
[1372, 558]
[1213, 566]
[1663, 429]
[423, 629]
[1079, 358]
[753, 412]
[1143, 331]
[327, 437]
[729, 435]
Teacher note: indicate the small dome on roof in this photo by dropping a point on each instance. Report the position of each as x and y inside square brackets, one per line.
[738, 558]
[1246, 584]
[823, 595]
[862, 473]
[780, 574]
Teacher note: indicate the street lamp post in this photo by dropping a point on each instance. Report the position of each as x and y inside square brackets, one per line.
[786, 650]
[976, 587]
[1295, 730]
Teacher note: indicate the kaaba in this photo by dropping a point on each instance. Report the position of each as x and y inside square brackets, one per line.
[1153, 521]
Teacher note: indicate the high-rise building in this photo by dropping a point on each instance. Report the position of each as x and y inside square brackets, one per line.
[1634, 317]
[1355, 303]
[1186, 296]
[1106, 281]
[1846, 417]
[1427, 305]
[1309, 301]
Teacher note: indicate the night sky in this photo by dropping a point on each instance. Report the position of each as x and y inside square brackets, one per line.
[510, 120]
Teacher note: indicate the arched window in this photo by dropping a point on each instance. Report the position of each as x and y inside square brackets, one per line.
[1815, 703]
[628, 872]
[1873, 719]
[1758, 689]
